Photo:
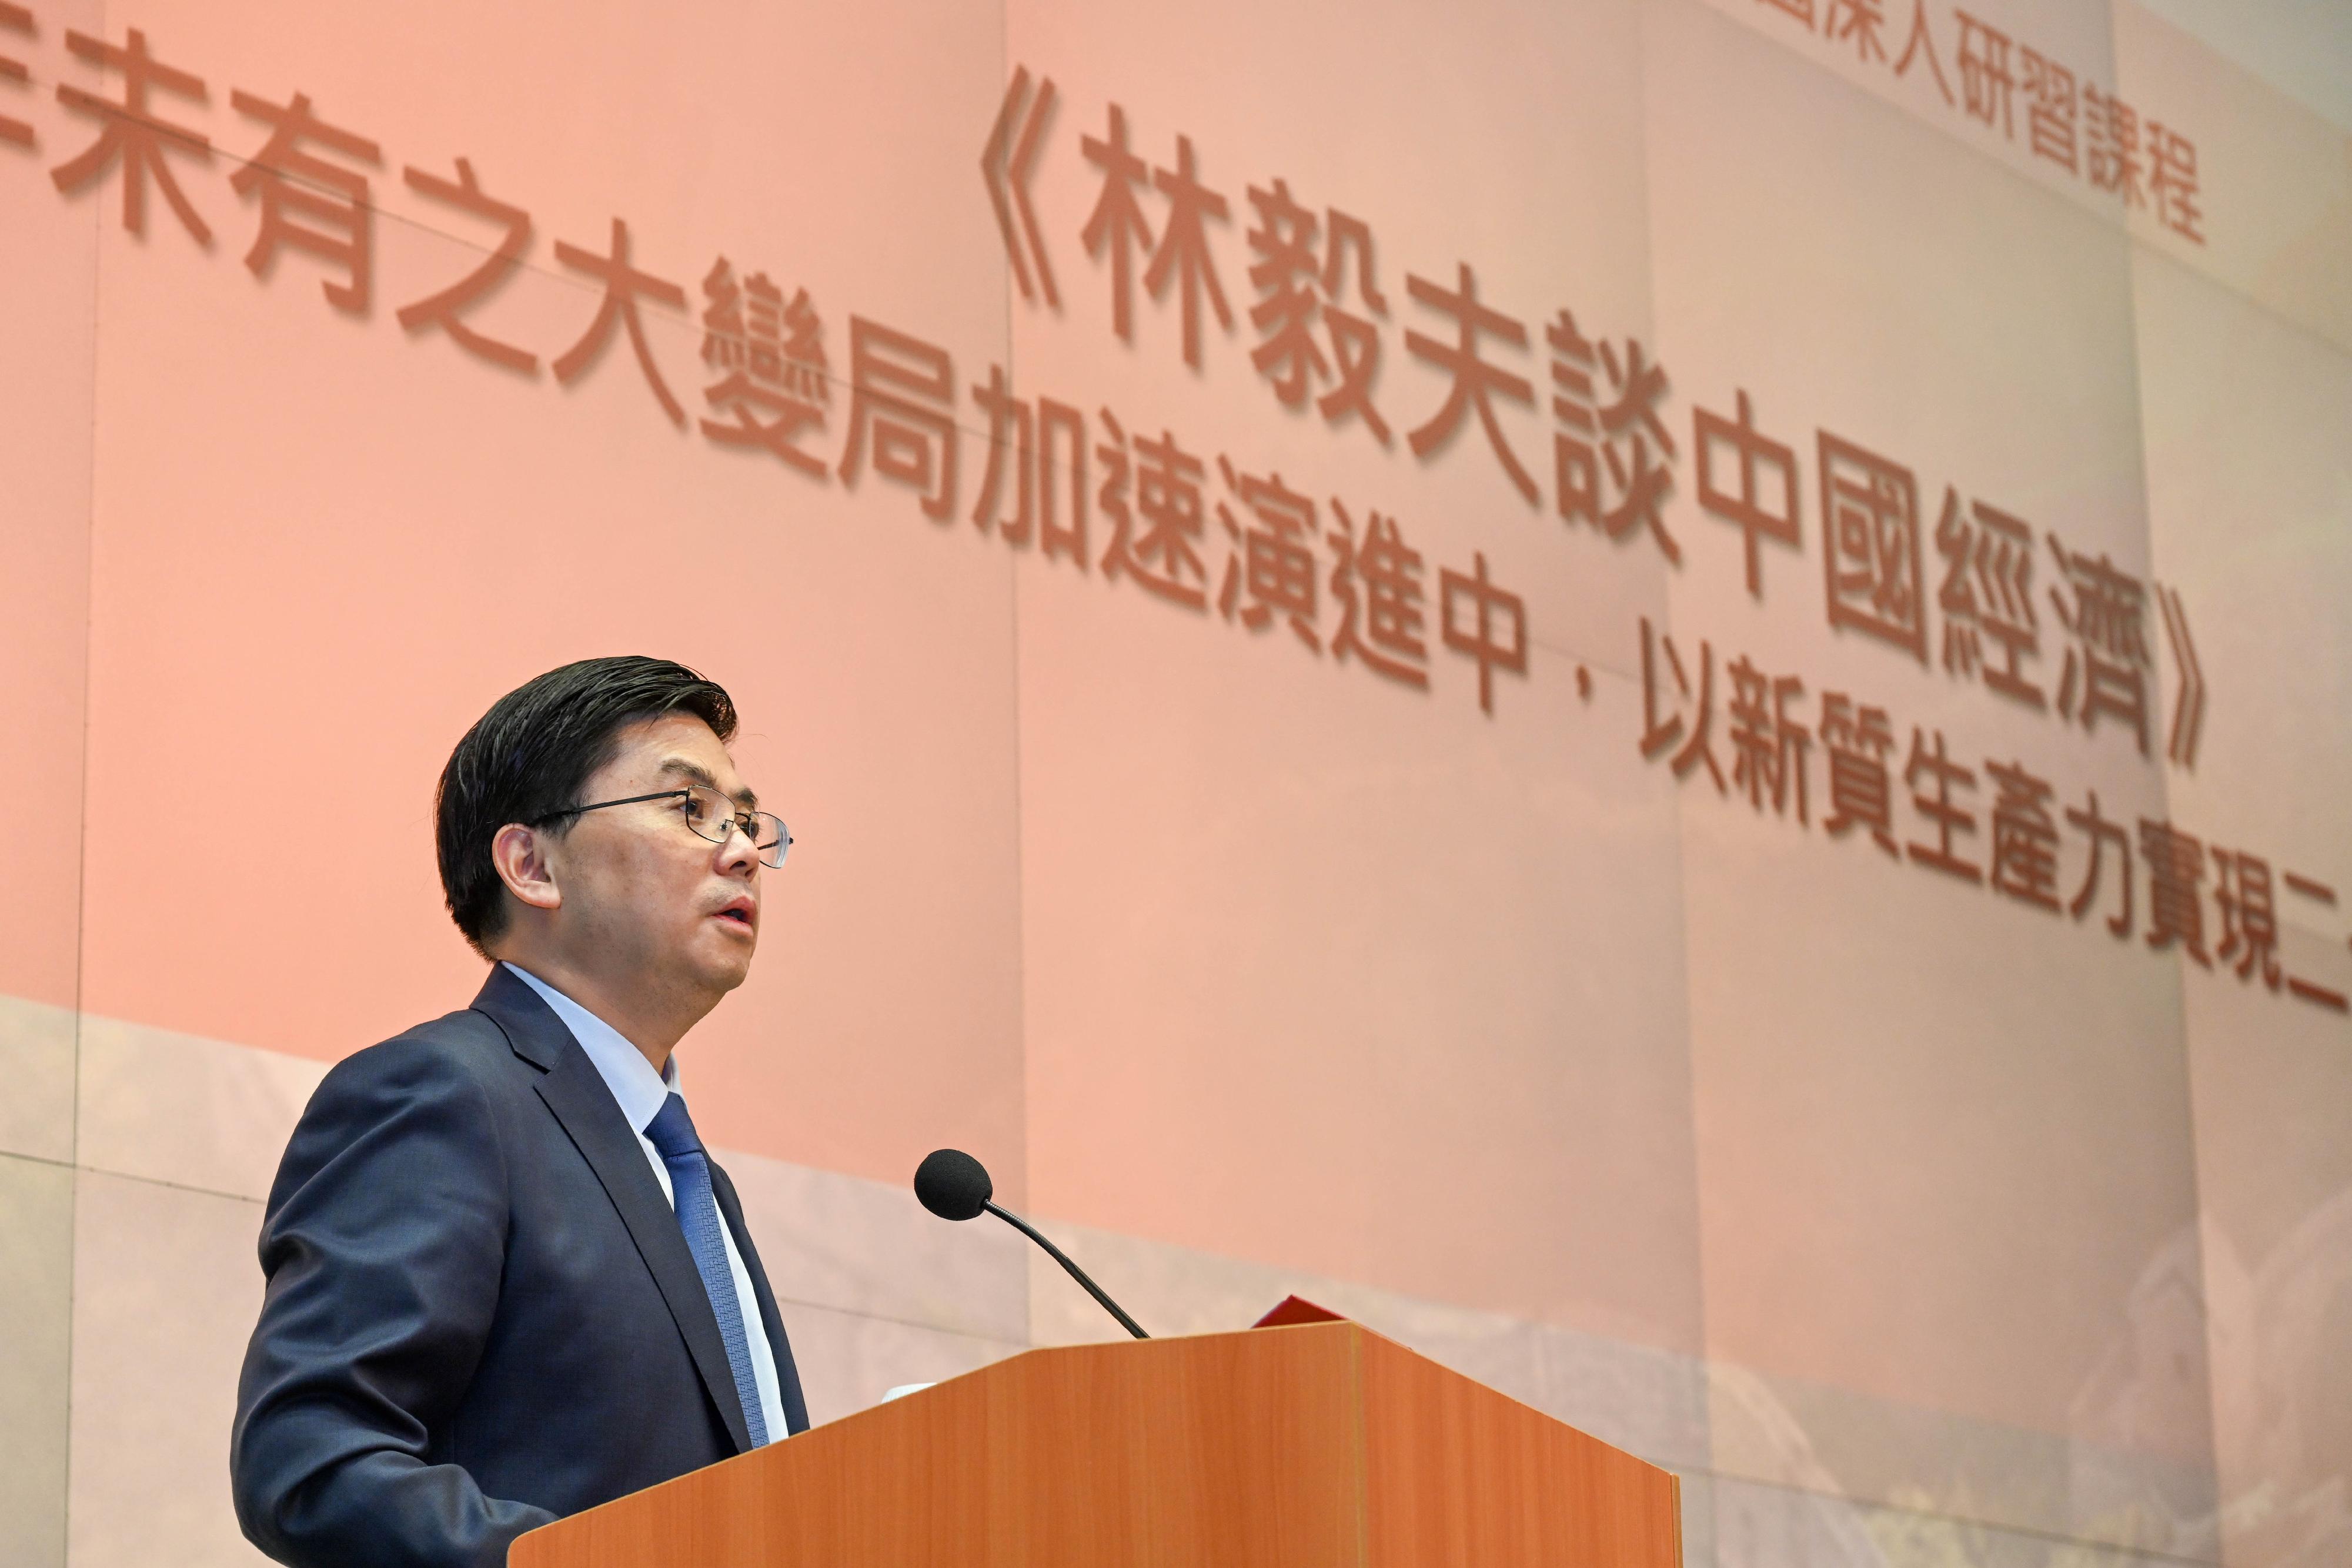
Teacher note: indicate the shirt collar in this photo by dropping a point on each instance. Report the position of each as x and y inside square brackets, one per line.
[640, 1091]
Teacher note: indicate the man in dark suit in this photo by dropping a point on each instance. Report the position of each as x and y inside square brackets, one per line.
[506, 1283]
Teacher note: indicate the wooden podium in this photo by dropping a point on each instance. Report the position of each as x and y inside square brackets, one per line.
[1317, 1445]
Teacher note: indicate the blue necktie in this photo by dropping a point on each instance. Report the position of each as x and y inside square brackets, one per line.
[673, 1136]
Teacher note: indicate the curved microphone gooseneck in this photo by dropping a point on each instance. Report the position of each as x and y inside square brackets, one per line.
[954, 1186]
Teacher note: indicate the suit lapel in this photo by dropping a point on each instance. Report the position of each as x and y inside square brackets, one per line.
[590, 1117]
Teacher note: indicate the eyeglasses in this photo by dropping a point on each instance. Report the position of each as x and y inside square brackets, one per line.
[708, 815]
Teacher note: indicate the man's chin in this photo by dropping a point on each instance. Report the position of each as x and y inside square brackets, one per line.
[722, 968]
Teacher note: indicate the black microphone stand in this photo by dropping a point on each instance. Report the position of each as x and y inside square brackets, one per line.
[1034, 1234]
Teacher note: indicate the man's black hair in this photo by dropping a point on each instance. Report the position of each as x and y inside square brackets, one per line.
[532, 754]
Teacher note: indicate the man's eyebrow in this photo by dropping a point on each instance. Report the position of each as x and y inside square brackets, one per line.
[747, 798]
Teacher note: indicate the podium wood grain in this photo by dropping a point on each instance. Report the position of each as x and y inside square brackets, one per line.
[1285, 1447]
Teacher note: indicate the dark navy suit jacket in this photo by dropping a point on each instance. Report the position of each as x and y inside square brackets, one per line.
[481, 1313]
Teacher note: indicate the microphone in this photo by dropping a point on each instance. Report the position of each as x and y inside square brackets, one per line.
[954, 1186]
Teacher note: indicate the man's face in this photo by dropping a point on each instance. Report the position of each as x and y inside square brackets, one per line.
[645, 900]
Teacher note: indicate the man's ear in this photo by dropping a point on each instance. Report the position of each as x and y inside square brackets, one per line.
[520, 855]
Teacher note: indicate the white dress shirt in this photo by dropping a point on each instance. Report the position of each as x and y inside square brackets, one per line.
[641, 1093]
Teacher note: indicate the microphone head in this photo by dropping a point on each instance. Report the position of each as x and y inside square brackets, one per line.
[952, 1184]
